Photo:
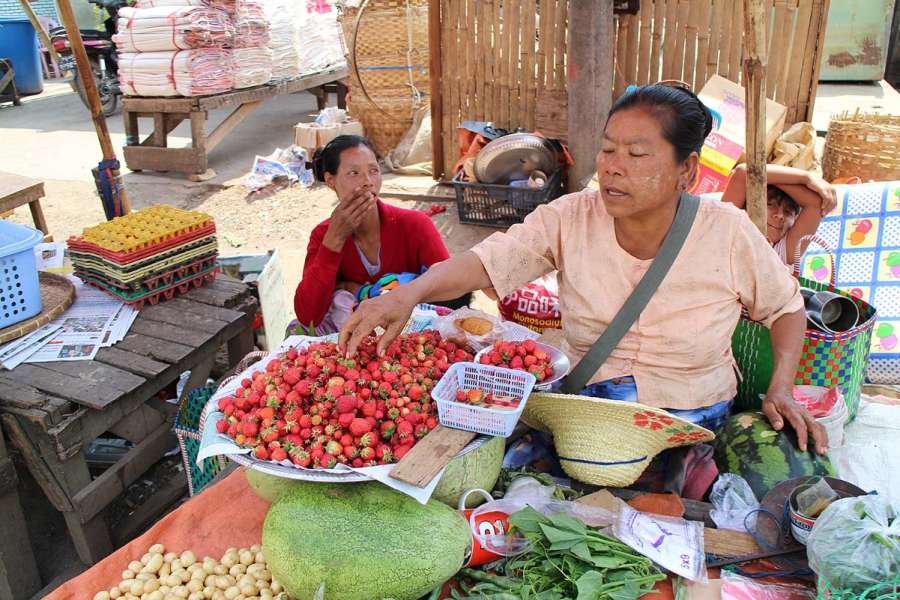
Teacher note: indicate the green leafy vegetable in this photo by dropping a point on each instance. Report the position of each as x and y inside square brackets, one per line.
[567, 561]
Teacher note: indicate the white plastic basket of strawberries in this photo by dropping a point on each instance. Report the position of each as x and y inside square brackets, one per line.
[481, 398]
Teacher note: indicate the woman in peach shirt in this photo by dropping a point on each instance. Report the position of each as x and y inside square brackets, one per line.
[678, 352]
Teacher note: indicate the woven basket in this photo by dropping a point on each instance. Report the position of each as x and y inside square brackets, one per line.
[862, 145]
[608, 442]
[388, 54]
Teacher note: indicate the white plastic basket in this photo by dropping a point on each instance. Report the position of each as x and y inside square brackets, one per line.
[494, 380]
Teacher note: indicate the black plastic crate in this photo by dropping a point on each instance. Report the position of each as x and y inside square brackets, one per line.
[494, 205]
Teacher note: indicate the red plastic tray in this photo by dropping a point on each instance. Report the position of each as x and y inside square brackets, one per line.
[123, 258]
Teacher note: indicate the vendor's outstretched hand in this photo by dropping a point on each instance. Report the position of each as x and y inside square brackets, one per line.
[781, 406]
[390, 311]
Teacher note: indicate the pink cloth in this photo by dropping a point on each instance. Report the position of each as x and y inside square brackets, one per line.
[165, 29]
[182, 73]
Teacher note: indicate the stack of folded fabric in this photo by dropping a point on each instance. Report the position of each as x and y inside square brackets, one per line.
[166, 49]
[321, 44]
[149, 255]
[283, 38]
[181, 73]
[227, 5]
[252, 57]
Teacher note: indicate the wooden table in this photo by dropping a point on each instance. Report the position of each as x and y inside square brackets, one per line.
[16, 191]
[153, 153]
[52, 412]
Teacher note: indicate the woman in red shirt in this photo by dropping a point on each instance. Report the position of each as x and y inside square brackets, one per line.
[363, 240]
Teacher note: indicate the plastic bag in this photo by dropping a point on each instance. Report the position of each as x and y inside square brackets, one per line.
[732, 499]
[735, 587]
[288, 165]
[449, 328]
[796, 147]
[535, 306]
[855, 543]
[674, 544]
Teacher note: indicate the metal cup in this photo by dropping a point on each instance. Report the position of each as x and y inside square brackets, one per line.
[830, 312]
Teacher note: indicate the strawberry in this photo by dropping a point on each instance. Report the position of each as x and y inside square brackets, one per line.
[359, 427]
[327, 461]
[369, 440]
[384, 453]
[400, 451]
[421, 430]
[222, 426]
[261, 453]
[346, 440]
[250, 429]
[475, 397]
[404, 429]
[367, 453]
[461, 394]
[346, 419]
[346, 404]
[270, 434]
[334, 448]
[358, 463]
[351, 452]
[278, 454]
[387, 430]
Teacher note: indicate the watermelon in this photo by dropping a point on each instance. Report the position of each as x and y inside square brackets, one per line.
[749, 447]
[268, 487]
[479, 468]
[363, 541]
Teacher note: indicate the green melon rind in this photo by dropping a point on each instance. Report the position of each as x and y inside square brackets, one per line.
[480, 468]
[749, 447]
[364, 541]
[268, 487]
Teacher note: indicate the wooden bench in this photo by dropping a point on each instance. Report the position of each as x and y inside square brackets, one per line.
[154, 154]
[51, 412]
[16, 191]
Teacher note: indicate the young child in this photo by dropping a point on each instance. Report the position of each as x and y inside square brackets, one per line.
[797, 201]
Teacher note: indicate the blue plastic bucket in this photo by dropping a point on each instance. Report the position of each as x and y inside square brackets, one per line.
[20, 290]
[19, 43]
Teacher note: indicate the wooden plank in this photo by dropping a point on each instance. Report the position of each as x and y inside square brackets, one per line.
[783, 66]
[478, 58]
[171, 333]
[138, 424]
[93, 498]
[132, 362]
[486, 56]
[726, 37]
[505, 49]
[643, 64]
[631, 56]
[659, 12]
[714, 39]
[197, 322]
[559, 52]
[449, 78]
[435, 84]
[545, 46]
[700, 75]
[591, 61]
[92, 540]
[497, 59]
[515, 56]
[92, 391]
[620, 82]
[21, 441]
[776, 45]
[171, 122]
[680, 69]
[226, 315]
[551, 116]
[19, 577]
[159, 137]
[22, 396]
[668, 54]
[431, 454]
[801, 30]
[692, 30]
[199, 374]
[231, 121]
[178, 160]
[548, 23]
[529, 70]
[95, 373]
[723, 542]
[806, 108]
[136, 104]
[737, 44]
[155, 348]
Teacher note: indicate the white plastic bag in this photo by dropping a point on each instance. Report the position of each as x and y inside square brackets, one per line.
[502, 330]
[855, 543]
[732, 500]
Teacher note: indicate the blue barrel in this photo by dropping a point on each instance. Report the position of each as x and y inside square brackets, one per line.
[19, 43]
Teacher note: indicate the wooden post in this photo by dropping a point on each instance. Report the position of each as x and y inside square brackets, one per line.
[591, 35]
[90, 88]
[45, 39]
[434, 79]
[755, 86]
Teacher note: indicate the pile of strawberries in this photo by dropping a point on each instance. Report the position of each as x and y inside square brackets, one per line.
[522, 356]
[317, 408]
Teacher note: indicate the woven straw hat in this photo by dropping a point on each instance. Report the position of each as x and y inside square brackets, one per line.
[608, 442]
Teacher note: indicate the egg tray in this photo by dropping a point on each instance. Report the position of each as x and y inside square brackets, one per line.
[171, 255]
[154, 281]
[114, 272]
[145, 228]
[138, 299]
[79, 244]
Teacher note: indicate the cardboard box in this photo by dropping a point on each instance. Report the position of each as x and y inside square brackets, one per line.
[311, 136]
[724, 148]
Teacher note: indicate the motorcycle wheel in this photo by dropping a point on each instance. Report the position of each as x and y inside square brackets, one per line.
[108, 101]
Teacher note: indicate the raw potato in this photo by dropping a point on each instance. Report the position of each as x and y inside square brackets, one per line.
[154, 564]
[127, 574]
[101, 596]
[115, 593]
[135, 566]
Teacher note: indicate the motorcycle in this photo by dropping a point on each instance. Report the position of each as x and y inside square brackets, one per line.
[101, 52]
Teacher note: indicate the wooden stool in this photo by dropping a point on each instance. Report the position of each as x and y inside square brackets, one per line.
[16, 191]
[333, 87]
[8, 90]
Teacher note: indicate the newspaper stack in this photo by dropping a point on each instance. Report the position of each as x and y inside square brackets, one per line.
[95, 320]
